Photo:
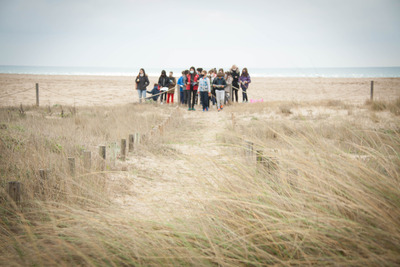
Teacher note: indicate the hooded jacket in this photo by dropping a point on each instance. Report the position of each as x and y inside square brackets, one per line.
[155, 93]
[163, 81]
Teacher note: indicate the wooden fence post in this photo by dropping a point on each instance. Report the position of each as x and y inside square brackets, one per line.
[71, 164]
[14, 191]
[372, 90]
[37, 94]
[102, 153]
[123, 149]
[179, 94]
[87, 160]
[131, 141]
[137, 138]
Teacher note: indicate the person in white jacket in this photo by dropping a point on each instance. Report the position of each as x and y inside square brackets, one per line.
[204, 90]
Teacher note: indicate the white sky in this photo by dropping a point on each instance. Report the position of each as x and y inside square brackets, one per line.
[153, 33]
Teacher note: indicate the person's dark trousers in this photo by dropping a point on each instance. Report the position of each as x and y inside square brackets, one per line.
[191, 97]
[213, 98]
[196, 97]
[235, 95]
[185, 96]
[182, 95]
[235, 91]
[163, 97]
[244, 93]
[204, 99]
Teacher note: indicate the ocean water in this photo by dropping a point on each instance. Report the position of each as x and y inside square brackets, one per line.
[366, 72]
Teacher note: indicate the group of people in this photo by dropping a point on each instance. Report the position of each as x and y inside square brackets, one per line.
[197, 86]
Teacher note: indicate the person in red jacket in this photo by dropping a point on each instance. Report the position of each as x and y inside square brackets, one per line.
[192, 85]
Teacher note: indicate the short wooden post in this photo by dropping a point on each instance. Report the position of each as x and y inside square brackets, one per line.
[102, 153]
[131, 141]
[71, 165]
[14, 191]
[179, 94]
[123, 149]
[37, 94]
[372, 90]
[137, 138]
[87, 160]
[249, 148]
[43, 174]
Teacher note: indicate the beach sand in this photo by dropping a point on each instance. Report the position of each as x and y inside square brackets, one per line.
[16, 89]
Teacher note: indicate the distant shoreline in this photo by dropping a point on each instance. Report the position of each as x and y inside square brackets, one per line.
[364, 72]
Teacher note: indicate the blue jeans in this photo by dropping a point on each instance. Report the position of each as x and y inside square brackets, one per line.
[142, 94]
[204, 99]
[182, 94]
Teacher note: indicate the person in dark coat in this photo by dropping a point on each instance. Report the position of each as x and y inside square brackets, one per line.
[155, 92]
[163, 83]
[142, 81]
[235, 82]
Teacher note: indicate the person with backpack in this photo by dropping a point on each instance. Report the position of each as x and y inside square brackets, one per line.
[163, 83]
[235, 82]
[142, 81]
[204, 90]
[191, 86]
[244, 81]
[219, 84]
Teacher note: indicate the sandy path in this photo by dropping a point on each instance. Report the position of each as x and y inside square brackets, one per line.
[184, 164]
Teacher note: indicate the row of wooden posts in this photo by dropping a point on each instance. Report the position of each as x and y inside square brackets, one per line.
[37, 93]
[14, 187]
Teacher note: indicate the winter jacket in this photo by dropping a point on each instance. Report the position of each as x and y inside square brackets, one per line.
[142, 82]
[235, 75]
[243, 79]
[218, 82]
[163, 81]
[194, 83]
[181, 83]
[204, 85]
[171, 86]
[155, 93]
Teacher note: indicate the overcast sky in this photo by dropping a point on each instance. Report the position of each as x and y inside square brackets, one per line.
[152, 33]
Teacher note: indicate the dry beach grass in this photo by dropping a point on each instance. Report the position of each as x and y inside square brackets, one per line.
[326, 192]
